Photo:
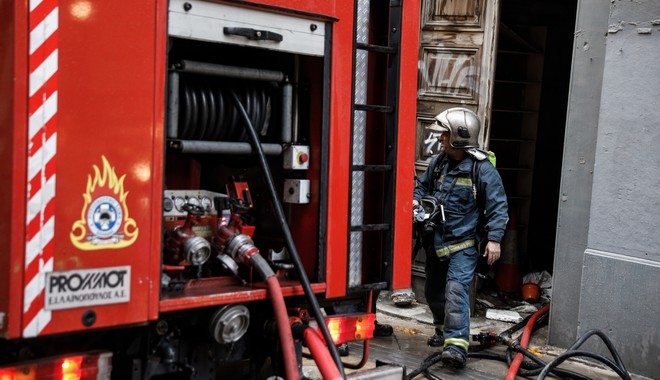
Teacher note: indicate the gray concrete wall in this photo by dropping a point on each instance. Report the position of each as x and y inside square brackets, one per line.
[616, 276]
[621, 274]
[577, 168]
[619, 296]
[625, 209]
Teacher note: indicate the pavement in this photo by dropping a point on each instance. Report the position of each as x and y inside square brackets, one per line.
[413, 325]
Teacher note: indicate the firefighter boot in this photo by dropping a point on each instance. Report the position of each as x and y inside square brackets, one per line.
[437, 340]
[382, 329]
[453, 356]
[342, 349]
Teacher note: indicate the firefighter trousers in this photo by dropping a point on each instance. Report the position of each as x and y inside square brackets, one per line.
[447, 292]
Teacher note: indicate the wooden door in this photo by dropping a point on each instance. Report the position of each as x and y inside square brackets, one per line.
[456, 64]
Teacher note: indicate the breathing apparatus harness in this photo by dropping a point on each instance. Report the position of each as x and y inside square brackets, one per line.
[430, 212]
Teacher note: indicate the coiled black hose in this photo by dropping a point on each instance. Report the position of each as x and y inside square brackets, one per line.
[207, 114]
[288, 238]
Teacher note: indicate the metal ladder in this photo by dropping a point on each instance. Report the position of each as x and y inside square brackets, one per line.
[360, 141]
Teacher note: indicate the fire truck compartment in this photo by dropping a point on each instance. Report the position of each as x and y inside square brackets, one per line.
[274, 65]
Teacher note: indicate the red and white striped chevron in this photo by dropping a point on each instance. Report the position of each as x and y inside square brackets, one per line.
[42, 149]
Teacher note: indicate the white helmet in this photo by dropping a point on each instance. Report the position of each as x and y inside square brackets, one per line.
[462, 124]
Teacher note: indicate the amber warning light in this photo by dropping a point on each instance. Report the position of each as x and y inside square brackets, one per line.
[348, 327]
[92, 365]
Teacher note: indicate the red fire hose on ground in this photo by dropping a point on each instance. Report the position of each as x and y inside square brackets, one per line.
[524, 342]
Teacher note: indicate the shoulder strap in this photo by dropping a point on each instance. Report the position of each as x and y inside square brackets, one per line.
[475, 172]
[476, 165]
[475, 179]
[435, 173]
[479, 156]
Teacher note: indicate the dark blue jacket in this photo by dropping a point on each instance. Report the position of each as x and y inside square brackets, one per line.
[460, 205]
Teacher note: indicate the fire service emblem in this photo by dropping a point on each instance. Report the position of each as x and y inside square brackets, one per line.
[104, 222]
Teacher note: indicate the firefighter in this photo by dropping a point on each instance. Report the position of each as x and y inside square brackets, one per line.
[466, 192]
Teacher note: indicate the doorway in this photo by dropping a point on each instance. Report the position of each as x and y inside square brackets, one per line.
[528, 118]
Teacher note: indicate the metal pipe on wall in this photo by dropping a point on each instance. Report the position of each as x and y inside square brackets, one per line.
[287, 112]
[221, 147]
[173, 106]
[229, 71]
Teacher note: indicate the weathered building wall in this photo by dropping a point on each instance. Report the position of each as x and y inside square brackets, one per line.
[577, 168]
[620, 269]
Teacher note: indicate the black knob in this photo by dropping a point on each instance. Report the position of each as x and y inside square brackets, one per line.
[88, 318]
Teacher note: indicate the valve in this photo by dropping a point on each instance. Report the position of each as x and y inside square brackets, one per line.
[236, 245]
[182, 245]
[485, 338]
[240, 247]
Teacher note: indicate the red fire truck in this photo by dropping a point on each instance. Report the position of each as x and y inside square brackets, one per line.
[190, 185]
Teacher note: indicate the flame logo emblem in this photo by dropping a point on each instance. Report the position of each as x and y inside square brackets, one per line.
[104, 222]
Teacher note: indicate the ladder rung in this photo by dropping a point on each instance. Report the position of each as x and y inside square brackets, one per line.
[371, 227]
[373, 108]
[376, 48]
[372, 168]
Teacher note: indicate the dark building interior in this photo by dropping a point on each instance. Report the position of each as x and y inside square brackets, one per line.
[532, 76]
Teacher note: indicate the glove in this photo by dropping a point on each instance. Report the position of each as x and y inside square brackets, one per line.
[419, 214]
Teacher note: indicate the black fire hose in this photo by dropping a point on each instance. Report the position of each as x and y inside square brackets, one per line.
[503, 337]
[616, 365]
[426, 364]
[528, 368]
[288, 238]
[542, 368]
[532, 369]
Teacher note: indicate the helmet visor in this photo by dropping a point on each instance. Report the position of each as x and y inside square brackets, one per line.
[438, 127]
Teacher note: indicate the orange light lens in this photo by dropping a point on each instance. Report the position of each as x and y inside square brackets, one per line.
[7, 374]
[71, 368]
[88, 366]
[350, 327]
[18, 373]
